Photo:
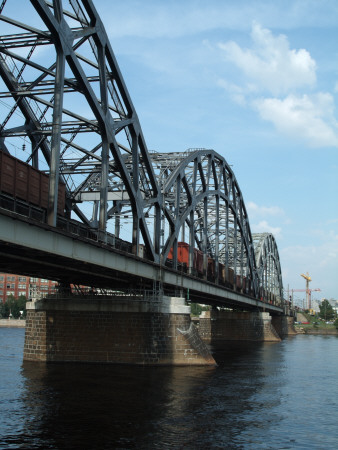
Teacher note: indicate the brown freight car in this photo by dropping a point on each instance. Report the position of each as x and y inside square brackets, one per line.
[22, 181]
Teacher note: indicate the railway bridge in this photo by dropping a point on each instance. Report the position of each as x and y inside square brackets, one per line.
[139, 234]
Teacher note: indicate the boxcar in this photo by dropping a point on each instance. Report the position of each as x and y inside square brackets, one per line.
[22, 181]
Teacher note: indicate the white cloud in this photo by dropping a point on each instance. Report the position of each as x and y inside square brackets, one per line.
[264, 227]
[237, 93]
[307, 117]
[270, 63]
[255, 210]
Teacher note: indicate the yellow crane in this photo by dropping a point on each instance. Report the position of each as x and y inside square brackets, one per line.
[307, 289]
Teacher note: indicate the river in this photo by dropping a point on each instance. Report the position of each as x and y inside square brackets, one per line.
[260, 396]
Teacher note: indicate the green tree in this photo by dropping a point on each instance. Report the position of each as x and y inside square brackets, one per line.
[335, 323]
[15, 305]
[22, 305]
[196, 309]
[4, 310]
[326, 311]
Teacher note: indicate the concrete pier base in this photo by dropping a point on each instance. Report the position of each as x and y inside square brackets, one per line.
[284, 325]
[120, 330]
[218, 325]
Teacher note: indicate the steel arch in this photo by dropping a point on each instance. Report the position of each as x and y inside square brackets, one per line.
[204, 206]
[268, 267]
[74, 108]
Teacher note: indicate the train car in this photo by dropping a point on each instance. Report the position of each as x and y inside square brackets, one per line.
[238, 283]
[198, 261]
[183, 257]
[231, 277]
[22, 181]
[221, 273]
[211, 269]
[226, 277]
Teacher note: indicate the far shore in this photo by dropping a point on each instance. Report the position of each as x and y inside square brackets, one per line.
[17, 323]
[323, 332]
[12, 323]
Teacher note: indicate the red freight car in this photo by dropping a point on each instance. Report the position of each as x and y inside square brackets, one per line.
[183, 257]
[225, 277]
[22, 181]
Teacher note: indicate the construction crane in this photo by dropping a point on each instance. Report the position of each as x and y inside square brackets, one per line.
[308, 293]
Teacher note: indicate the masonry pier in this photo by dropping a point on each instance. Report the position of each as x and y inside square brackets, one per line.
[120, 330]
[218, 325]
[284, 325]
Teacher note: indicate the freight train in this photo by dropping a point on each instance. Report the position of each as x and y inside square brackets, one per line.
[21, 181]
[226, 277]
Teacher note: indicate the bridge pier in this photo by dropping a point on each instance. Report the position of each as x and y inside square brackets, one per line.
[284, 325]
[120, 330]
[218, 325]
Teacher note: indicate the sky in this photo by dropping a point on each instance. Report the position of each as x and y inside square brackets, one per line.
[257, 81]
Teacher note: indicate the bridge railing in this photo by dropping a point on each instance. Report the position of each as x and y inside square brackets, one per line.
[23, 208]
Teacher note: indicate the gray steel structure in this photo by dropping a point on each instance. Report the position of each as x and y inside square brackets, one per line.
[268, 264]
[67, 99]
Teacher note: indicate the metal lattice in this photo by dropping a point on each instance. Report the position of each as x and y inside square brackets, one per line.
[268, 265]
[65, 110]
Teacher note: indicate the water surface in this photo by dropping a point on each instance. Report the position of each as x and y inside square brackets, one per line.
[261, 396]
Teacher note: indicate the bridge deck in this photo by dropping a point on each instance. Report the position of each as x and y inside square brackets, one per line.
[37, 249]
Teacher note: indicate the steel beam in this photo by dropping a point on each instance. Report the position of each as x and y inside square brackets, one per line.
[74, 254]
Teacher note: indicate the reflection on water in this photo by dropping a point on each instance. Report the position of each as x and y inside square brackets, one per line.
[257, 397]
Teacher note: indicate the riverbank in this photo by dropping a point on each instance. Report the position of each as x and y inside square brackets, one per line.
[17, 323]
[314, 325]
[321, 332]
[12, 323]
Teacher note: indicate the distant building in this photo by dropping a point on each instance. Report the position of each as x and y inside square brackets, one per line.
[315, 305]
[32, 288]
[333, 303]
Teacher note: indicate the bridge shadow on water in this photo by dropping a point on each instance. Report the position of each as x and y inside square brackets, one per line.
[108, 406]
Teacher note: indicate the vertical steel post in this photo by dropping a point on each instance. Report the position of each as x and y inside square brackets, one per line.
[217, 241]
[191, 242]
[135, 180]
[105, 143]
[56, 127]
[205, 236]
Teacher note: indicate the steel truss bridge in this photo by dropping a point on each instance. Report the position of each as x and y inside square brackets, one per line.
[66, 111]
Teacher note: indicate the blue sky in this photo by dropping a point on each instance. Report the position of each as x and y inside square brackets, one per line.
[257, 81]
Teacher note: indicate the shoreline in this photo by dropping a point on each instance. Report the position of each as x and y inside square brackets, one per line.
[12, 323]
[17, 323]
[323, 332]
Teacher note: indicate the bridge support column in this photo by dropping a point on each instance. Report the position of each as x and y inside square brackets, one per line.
[284, 325]
[218, 325]
[114, 330]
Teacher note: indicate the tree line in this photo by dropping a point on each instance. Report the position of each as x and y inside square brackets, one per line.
[13, 307]
[326, 310]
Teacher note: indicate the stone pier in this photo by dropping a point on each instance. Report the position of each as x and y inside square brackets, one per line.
[119, 330]
[218, 325]
[284, 325]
